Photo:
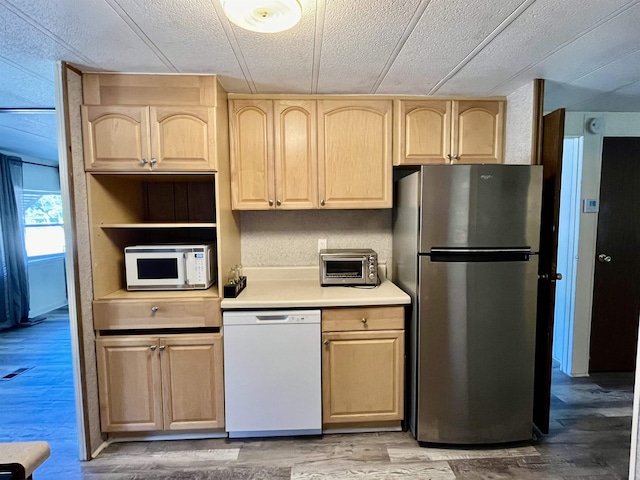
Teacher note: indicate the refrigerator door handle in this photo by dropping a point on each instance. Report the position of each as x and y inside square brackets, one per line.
[438, 250]
[480, 255]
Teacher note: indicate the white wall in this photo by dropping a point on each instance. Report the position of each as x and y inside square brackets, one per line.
[47, 286]
[616, 124]
[37, 177]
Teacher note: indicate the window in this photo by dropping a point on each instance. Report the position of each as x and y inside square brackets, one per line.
[43, 223]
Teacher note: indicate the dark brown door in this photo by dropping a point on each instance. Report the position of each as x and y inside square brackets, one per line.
[616, 285]
[552, 141]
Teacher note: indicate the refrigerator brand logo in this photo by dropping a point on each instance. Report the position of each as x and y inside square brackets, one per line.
[486, 177]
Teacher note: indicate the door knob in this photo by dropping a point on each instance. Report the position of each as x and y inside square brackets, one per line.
[553, 277]
[604, 258]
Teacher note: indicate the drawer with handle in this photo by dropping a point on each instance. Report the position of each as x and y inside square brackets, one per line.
[362, 318]
[156, 313]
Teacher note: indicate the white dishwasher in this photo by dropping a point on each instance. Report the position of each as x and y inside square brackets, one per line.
[272, 379]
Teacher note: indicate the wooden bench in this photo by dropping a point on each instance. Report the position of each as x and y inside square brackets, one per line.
[18, 460]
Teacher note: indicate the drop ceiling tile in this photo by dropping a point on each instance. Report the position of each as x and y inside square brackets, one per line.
[614, 75]
[624, 99]
[358, 40]
[536, 34]
[447, 32]
[595, 51]
[188, 33]
[280, 62]
[89, 33]
[561, 95]
[21, 88]
[28, 143]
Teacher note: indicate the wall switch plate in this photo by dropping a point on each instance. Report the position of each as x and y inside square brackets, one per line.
[322, 244]
[590, 205]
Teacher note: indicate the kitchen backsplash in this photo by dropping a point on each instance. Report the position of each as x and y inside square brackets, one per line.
[285, 238]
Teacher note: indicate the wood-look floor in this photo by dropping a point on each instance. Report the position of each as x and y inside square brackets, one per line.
[589, 438]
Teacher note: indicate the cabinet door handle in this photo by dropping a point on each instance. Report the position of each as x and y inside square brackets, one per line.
[326, 342]
[278, 202]
[153, 348]
[322, 202]
[154, 309]
[270, 203]
[449, 156]
[363, 320]
[456, 157]
[153, 161]
[162, 347]
[143, 161]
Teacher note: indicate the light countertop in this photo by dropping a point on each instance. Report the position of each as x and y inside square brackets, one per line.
[299, 287]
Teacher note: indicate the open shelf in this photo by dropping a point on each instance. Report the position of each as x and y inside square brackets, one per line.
[158, 225]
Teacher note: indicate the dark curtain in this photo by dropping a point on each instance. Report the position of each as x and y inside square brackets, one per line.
[14, 286]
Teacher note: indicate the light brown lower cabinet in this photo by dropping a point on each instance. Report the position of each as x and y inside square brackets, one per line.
[151, 383]
[363, 369]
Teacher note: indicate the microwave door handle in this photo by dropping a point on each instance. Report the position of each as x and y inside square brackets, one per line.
[186, 270]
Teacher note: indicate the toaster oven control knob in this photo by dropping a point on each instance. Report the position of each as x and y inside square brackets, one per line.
[371, 258]
[372, 276]
[371, 268]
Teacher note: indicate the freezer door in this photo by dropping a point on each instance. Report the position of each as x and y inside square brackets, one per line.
[476, 335]
[480, 206]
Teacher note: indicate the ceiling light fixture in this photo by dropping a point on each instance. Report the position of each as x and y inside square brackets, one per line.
[265, 16]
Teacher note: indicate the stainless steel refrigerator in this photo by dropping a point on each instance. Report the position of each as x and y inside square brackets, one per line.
[465, 244]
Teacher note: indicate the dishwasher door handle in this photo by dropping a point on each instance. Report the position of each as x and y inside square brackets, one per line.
[272, 318]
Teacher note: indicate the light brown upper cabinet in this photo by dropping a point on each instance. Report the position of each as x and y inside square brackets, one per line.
[156, 138]
[449, 131]
[273, 154]
[308, 153]
[354, 153]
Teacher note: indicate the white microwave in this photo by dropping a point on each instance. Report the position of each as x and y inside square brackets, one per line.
[170, 267]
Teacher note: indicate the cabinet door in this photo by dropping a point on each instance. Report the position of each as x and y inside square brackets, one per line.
[182, 138]
[478, 131]
[354, 155]
[116, 138]
[362, 376]
[192, 381]
[296, 158]
[252, 164]
[423, 132]
[129, 384]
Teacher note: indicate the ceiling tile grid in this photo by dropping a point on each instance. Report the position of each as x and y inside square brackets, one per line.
[537, 33]
[358, 39]
[21, 88]
[280, 62]
[447, 32]
[188, 33]
[598, 47]
[29, 134]
[88, 33]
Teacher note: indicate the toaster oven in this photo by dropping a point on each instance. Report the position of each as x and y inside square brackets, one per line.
[348, 267]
